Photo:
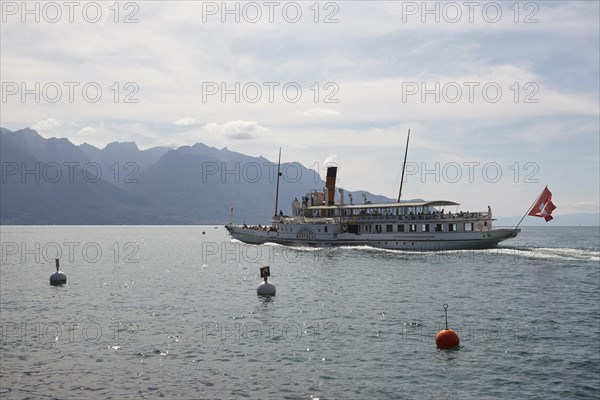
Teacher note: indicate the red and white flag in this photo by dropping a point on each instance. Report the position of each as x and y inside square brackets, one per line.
[543, 207]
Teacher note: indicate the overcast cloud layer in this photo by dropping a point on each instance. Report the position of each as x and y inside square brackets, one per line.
[501, 99]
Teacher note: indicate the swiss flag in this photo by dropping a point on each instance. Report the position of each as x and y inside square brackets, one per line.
[543, 207]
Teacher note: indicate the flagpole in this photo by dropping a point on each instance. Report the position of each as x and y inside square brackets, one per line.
[530, 207]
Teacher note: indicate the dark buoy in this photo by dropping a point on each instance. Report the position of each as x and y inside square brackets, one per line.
[265, 288]
[58, 278]
[446, 338]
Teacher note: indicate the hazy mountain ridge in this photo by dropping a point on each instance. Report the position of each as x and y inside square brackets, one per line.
[57, 190]
[119, 155]
[53, 181]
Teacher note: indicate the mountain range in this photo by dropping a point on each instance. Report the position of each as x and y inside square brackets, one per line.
[53, 181]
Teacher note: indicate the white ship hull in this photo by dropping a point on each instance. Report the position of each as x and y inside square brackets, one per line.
[400, 241]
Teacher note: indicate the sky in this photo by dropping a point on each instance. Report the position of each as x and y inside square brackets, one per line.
[501, 98]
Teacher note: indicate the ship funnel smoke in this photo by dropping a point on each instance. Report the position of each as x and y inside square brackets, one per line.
[330, 185]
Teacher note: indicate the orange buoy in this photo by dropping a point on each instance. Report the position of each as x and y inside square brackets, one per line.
[446, 338]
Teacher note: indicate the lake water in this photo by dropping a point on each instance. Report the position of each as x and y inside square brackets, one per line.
[172, 312]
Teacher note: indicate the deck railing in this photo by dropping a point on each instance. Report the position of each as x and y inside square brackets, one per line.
[462, 216]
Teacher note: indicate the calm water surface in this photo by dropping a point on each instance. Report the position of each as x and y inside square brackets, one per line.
[172, 312]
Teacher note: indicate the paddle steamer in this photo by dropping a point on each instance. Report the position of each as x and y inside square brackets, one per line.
[321, 220]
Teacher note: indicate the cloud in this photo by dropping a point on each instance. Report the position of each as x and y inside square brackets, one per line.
[236, 130]
[187, 121]
[47, 125]
[88, 130]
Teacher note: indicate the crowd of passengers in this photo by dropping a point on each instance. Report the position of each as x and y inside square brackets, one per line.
[260, 228]
[425, 215]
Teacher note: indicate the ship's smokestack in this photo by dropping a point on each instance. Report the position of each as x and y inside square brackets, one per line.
[330, 185]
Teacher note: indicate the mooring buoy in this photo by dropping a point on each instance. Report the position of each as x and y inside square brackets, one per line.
[58, 278]
[446, 338]
[265, 288]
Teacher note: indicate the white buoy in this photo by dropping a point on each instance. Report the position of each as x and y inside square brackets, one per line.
[265, 288]
[58, 278]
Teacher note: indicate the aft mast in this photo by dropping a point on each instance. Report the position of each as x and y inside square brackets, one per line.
[277, 188]
[403, 166]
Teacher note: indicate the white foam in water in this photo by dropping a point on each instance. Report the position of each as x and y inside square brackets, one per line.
[567, 254]
[298, 248]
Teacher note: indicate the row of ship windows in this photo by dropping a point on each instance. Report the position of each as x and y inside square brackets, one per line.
[451, 227]
[286, 229]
